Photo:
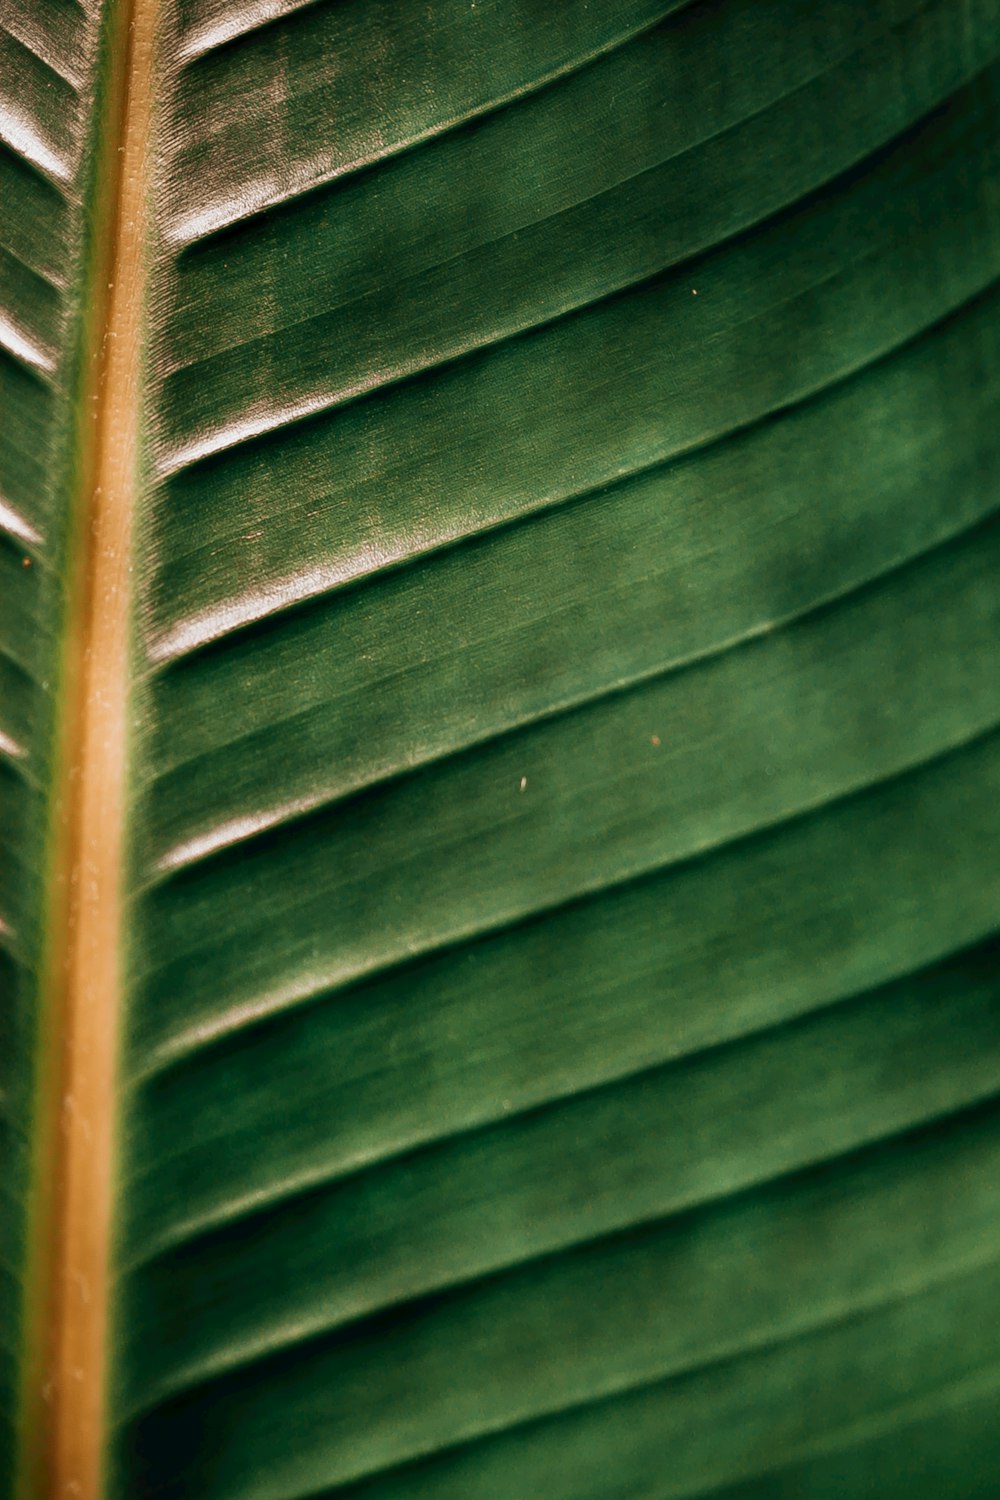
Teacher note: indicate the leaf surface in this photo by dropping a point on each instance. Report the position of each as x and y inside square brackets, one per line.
[559, 1049]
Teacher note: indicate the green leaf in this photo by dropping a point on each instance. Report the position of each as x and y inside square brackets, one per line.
[558, 1045]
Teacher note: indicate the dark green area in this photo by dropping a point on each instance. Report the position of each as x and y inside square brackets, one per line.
[562, 1052]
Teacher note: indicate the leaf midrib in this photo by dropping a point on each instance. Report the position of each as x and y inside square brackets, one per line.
[66, 1347]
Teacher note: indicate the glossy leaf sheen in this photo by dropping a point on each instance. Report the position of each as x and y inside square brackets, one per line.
[561, 1051]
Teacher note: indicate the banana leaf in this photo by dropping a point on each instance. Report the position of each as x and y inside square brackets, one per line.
[557, 1035]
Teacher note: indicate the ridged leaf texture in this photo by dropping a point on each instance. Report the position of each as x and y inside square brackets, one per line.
[559, 1043]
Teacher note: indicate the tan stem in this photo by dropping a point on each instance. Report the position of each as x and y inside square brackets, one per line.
[67, 1428]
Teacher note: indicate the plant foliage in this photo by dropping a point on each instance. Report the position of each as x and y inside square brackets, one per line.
[560, 1051]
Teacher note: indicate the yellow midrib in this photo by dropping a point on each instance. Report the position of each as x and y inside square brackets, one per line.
[63, 1421]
